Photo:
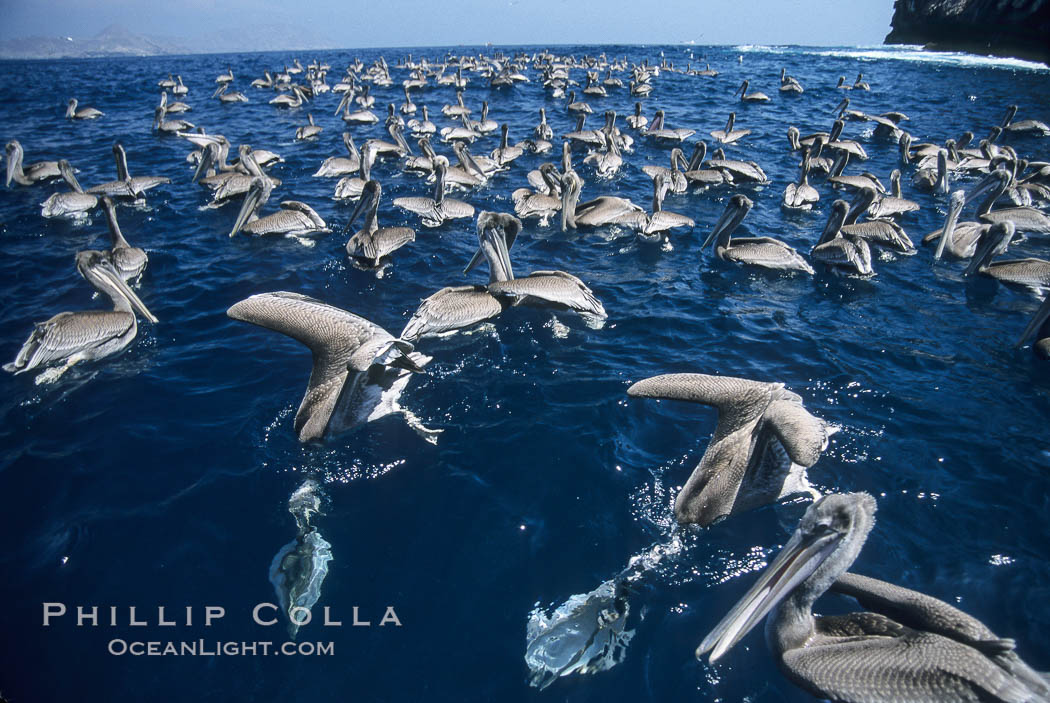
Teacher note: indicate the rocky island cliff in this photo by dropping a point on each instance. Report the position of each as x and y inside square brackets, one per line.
[1017, 28]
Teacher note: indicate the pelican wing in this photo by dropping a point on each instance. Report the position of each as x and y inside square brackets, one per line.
[739, 401]
[916, 610]
[882, 232]
[450, 309]
[454, 209]
[766, 252]
[420, 206]
[68, 333]
[333, 336]
[553, 287]
[803, 435]
[918, 666]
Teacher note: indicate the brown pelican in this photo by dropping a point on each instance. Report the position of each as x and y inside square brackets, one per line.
[637, 120]
[1025, 219]
[371, 243]
[757, 251]
[654, 227]
[265, 82]
[845, 252]
[294, 219]
[456, 308]
[730, 135]
[308, 131]
[545, 289]
[75, 204]
[694, 173]
[234, 97]
[224, 78]
[128, 261]
[1031, 273]
[126, 186]
[484, 125]
[883, 232]
[1032, 126]
[762, 444]
[789, 84]
[1039, 329]
[893, 203]
[860, 83]
[457, 110]
[911, 647]
[408, 107]
[608, 162]
[341, 165]
[755, 97]
[72, 337]
[27, 175]
[174, 107]
[84, 113]
[657, 130]
[505, 153]
[165, 126]
[603, 210]
[674, 176]
[577, 106]
[586, 137]
[437, 210]
[350, 187]
[541, 205]
[422, 127]
[957, 238]
[295, 99]
[359, 369]
[848, 145]
[933, 180]
[801, 195]
[737, 171]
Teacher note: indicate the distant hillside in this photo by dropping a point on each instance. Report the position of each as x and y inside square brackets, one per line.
[116, 40]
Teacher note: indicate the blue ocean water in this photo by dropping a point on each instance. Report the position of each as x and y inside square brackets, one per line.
[160, 477]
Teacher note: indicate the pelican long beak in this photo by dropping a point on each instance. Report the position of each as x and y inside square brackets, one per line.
[1037, 321]
[954, 208]
[995, 241]
[362, 205]
[10, 168]
[841, 107]
[992, 180]
[251, 202]
[799, 558]
[728, 222]
[103, 269]
[208, 157]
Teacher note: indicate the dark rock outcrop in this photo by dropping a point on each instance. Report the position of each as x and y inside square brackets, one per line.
[1018, 28]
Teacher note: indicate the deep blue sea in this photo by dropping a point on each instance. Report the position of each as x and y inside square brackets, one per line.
[160, 477]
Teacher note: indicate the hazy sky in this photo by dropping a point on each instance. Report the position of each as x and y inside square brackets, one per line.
[353, 23]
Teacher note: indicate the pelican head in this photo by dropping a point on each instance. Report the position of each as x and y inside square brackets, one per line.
[571, 185]
[15, 155]
[836, 218]
[257, 195]
[994, 241]
[496, 235]
[991, 186]
[828, 539]
[97, 269]
[369, 202]
[956, 201]
[735, 212]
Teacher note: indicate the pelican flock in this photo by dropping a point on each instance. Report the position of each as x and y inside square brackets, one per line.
[761, 440]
